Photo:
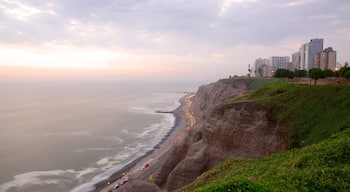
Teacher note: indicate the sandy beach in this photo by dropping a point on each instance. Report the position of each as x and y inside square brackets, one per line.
[146, 167]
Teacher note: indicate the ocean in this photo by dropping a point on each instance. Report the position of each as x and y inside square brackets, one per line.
[66, 135]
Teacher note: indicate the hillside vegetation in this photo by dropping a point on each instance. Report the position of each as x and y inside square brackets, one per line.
[320, 167]
[307, 113]
[316, 116]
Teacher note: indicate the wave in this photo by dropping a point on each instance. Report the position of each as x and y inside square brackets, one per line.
[38, 178]
[63, 180]
[155, 130]
[143, 110]
[95, 149]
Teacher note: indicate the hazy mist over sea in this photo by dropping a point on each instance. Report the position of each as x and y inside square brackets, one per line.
[59, 134]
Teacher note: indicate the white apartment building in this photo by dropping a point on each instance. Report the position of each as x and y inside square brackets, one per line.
[262, 68]
[278, 62]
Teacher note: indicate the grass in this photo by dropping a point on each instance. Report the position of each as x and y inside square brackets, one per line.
[309, 113]
[255, 83]
[320, 167]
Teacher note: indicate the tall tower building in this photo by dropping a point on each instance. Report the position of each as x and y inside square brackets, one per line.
[308, 52]
[303, 57]
[328, 59]
[317, 60]
[296, 60]
[315, 47]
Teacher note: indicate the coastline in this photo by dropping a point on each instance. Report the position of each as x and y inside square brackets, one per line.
[159, 151]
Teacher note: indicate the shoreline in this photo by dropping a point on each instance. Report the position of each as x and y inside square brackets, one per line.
[158, 150]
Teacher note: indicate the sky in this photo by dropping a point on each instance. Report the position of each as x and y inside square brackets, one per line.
[190, 39]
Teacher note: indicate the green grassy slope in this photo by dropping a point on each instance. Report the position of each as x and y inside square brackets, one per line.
[315, 116]
[308, 113]
[320, 167]
[255, 83]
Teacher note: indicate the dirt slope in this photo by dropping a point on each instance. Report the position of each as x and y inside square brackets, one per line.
[222, 131]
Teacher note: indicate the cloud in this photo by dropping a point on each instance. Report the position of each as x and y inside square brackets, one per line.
[18, 10]
[227, 4]
[183, 29]
[148, 23]
[21, 11]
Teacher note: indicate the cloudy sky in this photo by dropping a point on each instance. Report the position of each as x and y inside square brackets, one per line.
[165, 38]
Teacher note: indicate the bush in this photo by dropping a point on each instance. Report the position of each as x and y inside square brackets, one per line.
[284, 73]
[237, 184]
[316, 73]
[345, 72]
[300, 73]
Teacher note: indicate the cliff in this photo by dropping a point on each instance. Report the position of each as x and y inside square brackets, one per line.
[241, 129]
[234, 133]
[312, 119]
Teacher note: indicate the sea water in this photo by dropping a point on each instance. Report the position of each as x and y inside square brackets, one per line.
[66, 135]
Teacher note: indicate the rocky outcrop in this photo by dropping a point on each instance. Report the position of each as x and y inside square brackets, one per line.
[222, 131]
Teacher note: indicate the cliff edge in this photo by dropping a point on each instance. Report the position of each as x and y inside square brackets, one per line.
[241, 129]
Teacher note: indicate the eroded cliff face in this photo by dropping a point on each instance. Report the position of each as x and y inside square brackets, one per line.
[222, 131]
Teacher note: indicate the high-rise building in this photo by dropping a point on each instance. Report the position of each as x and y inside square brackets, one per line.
[317, 60]
[262, 68]
[290, 66]
[308, 52]
[315, 47]
[303, 59]
[296, 61]
[279, 62]
[328, 59]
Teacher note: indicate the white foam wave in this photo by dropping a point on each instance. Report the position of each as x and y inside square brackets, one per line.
[38, 178]
[89, 186]
[57, 177]
[134, 149]
[144, 110]
[148, 130]
[95, 149]
[117, 139]
[86, 186]
[103, 161]
[85, 172]
[158, 130]
[121, 156]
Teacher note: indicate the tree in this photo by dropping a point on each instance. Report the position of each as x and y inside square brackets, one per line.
[300, 73]
[345, 71]
[281, 73]
[260, 71]
[316, 73]
[329, 73]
